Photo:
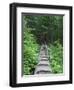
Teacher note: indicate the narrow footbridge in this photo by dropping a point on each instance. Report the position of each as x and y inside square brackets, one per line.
[43, 66]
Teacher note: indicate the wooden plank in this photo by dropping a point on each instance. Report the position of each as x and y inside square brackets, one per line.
[43, 66]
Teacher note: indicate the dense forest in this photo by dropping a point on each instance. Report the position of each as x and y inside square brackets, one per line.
[38, 30]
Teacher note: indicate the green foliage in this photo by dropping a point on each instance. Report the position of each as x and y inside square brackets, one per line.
[56, 57]
[39, 29]
[31, 50]
[46, 27]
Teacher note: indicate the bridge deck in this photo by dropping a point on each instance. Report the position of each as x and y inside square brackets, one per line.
[43, 66]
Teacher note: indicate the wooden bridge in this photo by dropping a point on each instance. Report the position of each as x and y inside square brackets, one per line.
[43, 66]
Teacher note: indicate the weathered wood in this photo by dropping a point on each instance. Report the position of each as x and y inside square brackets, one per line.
[43, 66]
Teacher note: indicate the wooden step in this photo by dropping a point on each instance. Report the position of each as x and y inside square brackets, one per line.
[43, 66]
[43, 72]
[43, 56]
[46, 68]
[44, 59]
[43, 62]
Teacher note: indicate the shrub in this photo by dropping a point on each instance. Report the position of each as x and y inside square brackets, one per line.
[31, 50]
[56, 57]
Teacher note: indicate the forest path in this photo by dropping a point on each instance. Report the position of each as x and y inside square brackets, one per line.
[43, 66]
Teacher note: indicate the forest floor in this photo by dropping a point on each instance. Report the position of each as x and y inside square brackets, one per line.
[43, 66]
